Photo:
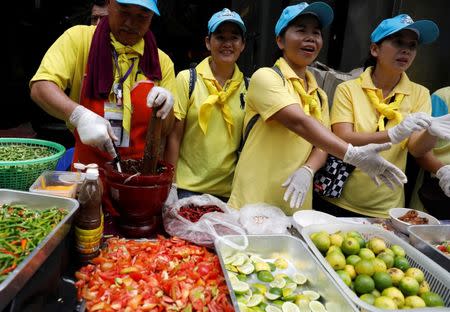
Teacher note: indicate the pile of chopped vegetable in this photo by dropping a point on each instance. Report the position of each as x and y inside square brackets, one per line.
[162, 275]
[18, 152]
[21, 230]
[193, 212]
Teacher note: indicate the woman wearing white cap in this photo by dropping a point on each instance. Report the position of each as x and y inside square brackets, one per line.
[383, 105]
[289, 138]
[209, 113]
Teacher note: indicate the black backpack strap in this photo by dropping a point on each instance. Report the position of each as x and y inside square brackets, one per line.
[242, 96]
[192, 80]
[248, 128]
[278, 71]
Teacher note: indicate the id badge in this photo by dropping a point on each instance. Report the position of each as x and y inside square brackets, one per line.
[114, 114]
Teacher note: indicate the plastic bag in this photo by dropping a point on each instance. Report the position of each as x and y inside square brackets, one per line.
[210, 226]
[263, 219]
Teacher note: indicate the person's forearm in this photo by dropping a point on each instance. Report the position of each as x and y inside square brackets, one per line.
[429, 162]
[359, 138]
[316, 159]
[311, 130]
[420, 143]
[52, 99]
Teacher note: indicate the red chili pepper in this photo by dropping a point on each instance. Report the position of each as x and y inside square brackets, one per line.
[23, 244]
[9, 269]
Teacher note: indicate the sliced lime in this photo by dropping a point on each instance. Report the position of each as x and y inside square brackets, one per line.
[317, 306]
[232, 277]
[281, 263]
[240, 287]
[272, 296]
[302, 301]
[278, 282]
[265, 276]
[242, 277]
[290, 307]
[261, 266]
[255, 300]
[291, 285]
[246, 268]
[271, 308]
[259, 288]
[311, 294]
[231, 268]
[242, 307]
[230, 259]
[240, 259]
[272, 267]
[255, 258]
[299, 278]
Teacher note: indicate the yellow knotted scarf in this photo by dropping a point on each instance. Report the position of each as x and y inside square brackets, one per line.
[310, 103]
[126, 54]
[390, 110]
[218, 96]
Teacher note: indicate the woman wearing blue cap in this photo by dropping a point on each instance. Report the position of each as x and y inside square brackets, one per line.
[209, 113]
[383, 105]
[290, 136]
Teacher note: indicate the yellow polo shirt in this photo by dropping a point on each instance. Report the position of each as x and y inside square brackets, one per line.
[206, 162]
[351, 105]
[272, 152]
[65, 62]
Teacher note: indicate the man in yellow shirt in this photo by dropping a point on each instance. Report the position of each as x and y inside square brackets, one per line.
[109, 70]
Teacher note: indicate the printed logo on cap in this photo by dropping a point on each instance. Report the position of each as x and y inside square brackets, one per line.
[226, 12]
[406, 19]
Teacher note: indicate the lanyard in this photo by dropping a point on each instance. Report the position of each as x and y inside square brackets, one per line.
[118, 86]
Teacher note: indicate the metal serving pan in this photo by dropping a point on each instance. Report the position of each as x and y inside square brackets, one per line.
[424, 236]
[17, 278]
[296, 253]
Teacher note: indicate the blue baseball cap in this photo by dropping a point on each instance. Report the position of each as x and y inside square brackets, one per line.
[225, 16]
[148, 4]
[321, 10]
[427, 30]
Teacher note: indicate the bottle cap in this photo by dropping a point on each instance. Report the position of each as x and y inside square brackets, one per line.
[92, 174]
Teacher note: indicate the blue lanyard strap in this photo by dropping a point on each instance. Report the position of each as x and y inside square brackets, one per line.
[124, 77]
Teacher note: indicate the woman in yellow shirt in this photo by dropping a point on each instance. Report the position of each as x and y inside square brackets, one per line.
[383, 105]
[289, 138]
[209, 113]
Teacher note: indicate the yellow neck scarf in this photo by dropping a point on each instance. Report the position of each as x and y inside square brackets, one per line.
[219, 96]
[126, 55]
[390, 110]
[309, 101]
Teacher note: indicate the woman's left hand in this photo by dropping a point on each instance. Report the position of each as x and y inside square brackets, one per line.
[298, 185]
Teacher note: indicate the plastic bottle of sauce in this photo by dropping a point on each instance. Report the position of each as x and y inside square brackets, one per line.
[89, 219]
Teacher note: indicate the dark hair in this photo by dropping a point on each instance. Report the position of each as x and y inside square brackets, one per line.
[372, 60]
[99, 2]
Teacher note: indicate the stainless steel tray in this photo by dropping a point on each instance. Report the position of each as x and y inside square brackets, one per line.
[423, 236]
[17, 278]
[295, 252]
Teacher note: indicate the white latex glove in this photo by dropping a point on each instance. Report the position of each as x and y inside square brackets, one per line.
[367, 159]
[159, 96]
[93, 129]
[173, 195]
[413, 122]
[298, 185]
[440, 127]
[443, 174]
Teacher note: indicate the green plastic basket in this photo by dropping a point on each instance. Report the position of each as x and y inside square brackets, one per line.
[20, 174]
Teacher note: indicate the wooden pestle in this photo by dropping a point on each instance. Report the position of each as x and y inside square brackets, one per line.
[152, 143]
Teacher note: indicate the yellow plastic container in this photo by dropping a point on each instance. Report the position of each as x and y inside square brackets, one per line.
[58, 183]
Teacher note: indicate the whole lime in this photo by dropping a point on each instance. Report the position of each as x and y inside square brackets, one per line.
[398, 250]
[401, 263]
[415, 302]
[345, 277]
[350, 269]
[382, 280]
[322, 241]
[396, 275]
[416, 273]
[363, 284]
[409, 286]
[387, 258]
[336, 239]
[336, 260]
[350, 246]
[369, 298]
[432, 299]
[365, 266]
[353, 259]
[379, 265]
[424, 287]
[384, 302]
[395, 294]
[366, 253]
[376, 244]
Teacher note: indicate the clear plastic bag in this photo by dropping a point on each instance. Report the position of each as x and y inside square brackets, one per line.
[210, 226]
[263, 219]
